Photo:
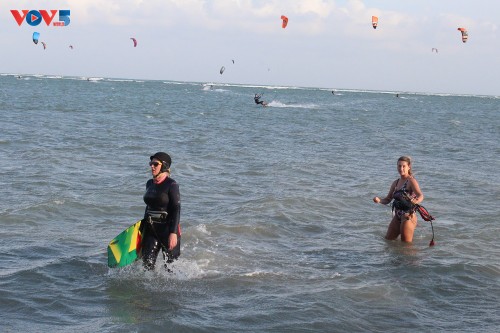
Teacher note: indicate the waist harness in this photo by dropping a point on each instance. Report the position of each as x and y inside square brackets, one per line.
[402, 200]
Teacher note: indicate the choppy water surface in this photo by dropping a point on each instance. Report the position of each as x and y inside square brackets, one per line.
[279, 230]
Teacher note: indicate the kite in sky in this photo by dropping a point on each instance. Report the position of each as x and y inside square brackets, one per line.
[36, 35]
[285, 21]
[465, 35]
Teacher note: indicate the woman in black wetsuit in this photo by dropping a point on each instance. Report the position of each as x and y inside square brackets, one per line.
[406, 193]
[161, 224]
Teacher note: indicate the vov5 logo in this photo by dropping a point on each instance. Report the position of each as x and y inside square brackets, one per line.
[35, 17]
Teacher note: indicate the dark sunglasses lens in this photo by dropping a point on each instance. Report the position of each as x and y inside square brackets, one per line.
[155, 164]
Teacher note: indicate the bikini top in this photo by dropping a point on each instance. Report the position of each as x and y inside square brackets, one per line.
[400, 194]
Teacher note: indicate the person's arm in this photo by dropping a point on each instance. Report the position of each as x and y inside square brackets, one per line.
[415, 188]
[148, 183]
[388, 198]
[174, 214]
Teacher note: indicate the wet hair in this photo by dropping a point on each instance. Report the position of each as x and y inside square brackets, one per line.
[406, 159]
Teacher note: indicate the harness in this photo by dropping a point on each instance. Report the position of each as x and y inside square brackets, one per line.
[159, 217]
[156, 217]
[402, 200]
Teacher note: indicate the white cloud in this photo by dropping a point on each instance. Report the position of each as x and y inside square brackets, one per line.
[319, 8]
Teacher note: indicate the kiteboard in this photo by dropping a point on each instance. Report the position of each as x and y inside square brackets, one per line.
[125, 248]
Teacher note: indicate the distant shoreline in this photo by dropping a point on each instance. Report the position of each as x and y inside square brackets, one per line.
[246, 85]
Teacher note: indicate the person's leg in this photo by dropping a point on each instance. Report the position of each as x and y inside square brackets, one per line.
[150, 249]
[408, 225]
[394, 229]
[170, 256]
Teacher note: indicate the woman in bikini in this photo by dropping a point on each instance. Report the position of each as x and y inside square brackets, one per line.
[405, 192]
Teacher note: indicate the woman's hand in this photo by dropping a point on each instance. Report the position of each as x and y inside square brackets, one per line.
[376, 200]
[172, 241]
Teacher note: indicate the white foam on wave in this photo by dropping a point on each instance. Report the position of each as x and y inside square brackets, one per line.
[181, 269]
[182, 83]
[122, 80]
[278, 104]
[262, 273]
[203, 229]
[215, 87]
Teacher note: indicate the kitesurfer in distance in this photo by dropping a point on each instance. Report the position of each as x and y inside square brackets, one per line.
[404, 193]
[161, 223]
[258, 101]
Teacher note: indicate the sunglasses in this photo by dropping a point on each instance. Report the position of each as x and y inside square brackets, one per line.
[155, 164]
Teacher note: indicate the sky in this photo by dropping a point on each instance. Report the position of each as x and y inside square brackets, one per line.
[327, 43]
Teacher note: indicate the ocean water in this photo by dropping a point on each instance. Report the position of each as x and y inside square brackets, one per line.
[280, 233]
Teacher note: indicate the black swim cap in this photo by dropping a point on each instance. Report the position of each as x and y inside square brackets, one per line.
[164, 158]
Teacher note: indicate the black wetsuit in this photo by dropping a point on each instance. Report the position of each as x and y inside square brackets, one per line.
[161, 197]
[257, 100]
